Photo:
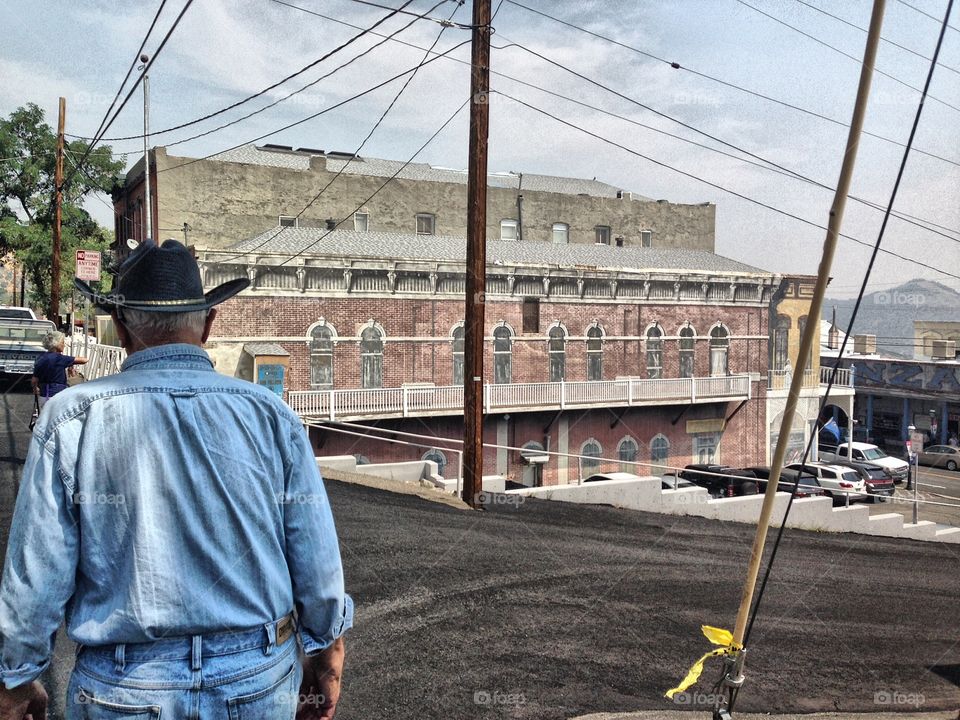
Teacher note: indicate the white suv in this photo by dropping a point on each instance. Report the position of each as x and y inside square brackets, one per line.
[838, 481]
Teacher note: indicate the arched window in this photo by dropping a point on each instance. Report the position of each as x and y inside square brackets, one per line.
[438, 457]
[371, 356]
[502, 354]
[781, 342]
[591, 453]
[687, 351]
[322, 336]
[719, 350]
[659, 454]
[561, 233]
[627, 452]
[595, 352]
[457, 347]
[654, 351]
[557, 350]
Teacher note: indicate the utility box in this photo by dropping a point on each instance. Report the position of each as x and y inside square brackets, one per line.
[865, 344]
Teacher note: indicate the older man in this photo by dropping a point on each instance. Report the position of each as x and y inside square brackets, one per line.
[178, 518]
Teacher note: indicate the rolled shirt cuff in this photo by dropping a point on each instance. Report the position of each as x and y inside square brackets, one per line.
[26, 673]
[313, 644]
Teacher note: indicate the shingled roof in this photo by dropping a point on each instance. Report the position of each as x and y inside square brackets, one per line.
[319, 242]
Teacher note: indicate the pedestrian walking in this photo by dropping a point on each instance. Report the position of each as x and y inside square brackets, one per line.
[50, 367]
[178, 516]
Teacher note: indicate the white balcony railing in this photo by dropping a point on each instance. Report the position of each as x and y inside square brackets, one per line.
[448, 400]
[844, 377]
[780, 379]
[102, 360]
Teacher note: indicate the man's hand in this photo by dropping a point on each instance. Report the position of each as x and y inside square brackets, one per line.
[25, 702]
[320, 689]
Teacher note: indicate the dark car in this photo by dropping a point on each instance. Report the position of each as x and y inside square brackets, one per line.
[941, 456]
[809, 486]
[721, 480]
[880, 483]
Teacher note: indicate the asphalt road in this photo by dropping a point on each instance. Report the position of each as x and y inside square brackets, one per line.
[939, 493]
[548, 610]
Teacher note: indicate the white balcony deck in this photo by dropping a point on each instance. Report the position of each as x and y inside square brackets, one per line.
[419, 401]
[778, 381]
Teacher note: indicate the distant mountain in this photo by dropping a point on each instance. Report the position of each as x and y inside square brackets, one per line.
[889, 314]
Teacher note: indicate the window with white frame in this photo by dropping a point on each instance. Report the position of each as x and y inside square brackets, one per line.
[457, 347]
[719, 351]
[557, 350]
[426, 224]
[371, 357]
[508, 229]
[627, 452]
[590, 452]
[646, 238]
[595, 352]
[289, 221]
[654, 352]
[602, 233]
[322, 340]
[502, 355]
[561, 233]
[706, 448]
[361, 221]
[687, 351]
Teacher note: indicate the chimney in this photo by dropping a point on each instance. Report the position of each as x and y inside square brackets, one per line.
[865, 344]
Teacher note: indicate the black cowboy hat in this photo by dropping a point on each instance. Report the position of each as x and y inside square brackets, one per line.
[161, 279]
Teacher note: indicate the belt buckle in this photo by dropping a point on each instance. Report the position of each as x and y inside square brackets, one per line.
[284, 630]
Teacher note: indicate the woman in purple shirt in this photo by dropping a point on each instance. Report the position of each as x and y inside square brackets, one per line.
[50, 369]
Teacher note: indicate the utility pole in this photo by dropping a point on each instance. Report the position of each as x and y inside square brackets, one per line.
[54, 311]
[148, 230]
[476, 276]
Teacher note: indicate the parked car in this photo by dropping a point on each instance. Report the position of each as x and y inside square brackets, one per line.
[878, 479]
[941, 456]
[672, 481]
[597, 477]
[12, 312]
[809, 485]
[865, 452]
[720, 480]
[841, 483]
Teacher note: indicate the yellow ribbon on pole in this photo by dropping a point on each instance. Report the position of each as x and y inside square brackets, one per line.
[717, 636]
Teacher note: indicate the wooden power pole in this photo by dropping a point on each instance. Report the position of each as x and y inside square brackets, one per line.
[474, 325]
[54, 313]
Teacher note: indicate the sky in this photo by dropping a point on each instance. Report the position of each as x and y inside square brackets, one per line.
[224, 50]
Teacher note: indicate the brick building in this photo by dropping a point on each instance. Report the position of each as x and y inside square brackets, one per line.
[218, 201]
[642, 355]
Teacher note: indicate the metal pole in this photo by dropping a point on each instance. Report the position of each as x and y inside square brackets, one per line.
[915, 471]
[54, 310]
[476, 255]
[816, 307]
[148, 230]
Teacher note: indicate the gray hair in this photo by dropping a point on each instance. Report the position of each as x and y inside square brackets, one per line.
[159, 325]
[51, 341]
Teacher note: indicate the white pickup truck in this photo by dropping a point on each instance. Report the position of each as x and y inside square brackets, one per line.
[21, 336]
[865, 452]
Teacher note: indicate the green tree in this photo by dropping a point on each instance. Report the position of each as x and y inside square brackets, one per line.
[27, 165]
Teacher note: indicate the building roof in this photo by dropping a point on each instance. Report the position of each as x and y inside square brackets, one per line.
[264, 348]
[375, 167]
[311, 241]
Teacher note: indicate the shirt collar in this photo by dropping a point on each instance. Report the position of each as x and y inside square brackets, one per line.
[171, 354]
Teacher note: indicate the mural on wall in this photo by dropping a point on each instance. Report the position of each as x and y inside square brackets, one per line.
[909, 376]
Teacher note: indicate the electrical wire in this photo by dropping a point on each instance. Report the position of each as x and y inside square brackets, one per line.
[362, 144]
[717, 186]
[926, 14]
[106, 125]
[906, 217]
[845, 54]
[876, 248]
[712, 78]
[313, 115]
[886, 40]
[444, 23]
[267, 89]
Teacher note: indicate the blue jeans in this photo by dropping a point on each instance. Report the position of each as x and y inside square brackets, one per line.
[236, 675]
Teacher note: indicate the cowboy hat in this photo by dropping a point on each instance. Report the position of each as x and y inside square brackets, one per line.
[161, 279]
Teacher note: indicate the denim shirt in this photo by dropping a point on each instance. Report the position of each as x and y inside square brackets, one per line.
[164, 501]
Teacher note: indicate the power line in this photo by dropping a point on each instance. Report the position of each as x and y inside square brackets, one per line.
[444, 23]
[926, 14]
[300, 90]
[106, 124]
[886, 40]
[712, 78]
[845, 54]
[695, 129]
[269, 87]
[718, 186]
[366, 139]
[906, 217]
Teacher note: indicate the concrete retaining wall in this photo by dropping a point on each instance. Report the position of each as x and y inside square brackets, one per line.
[807, 513]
